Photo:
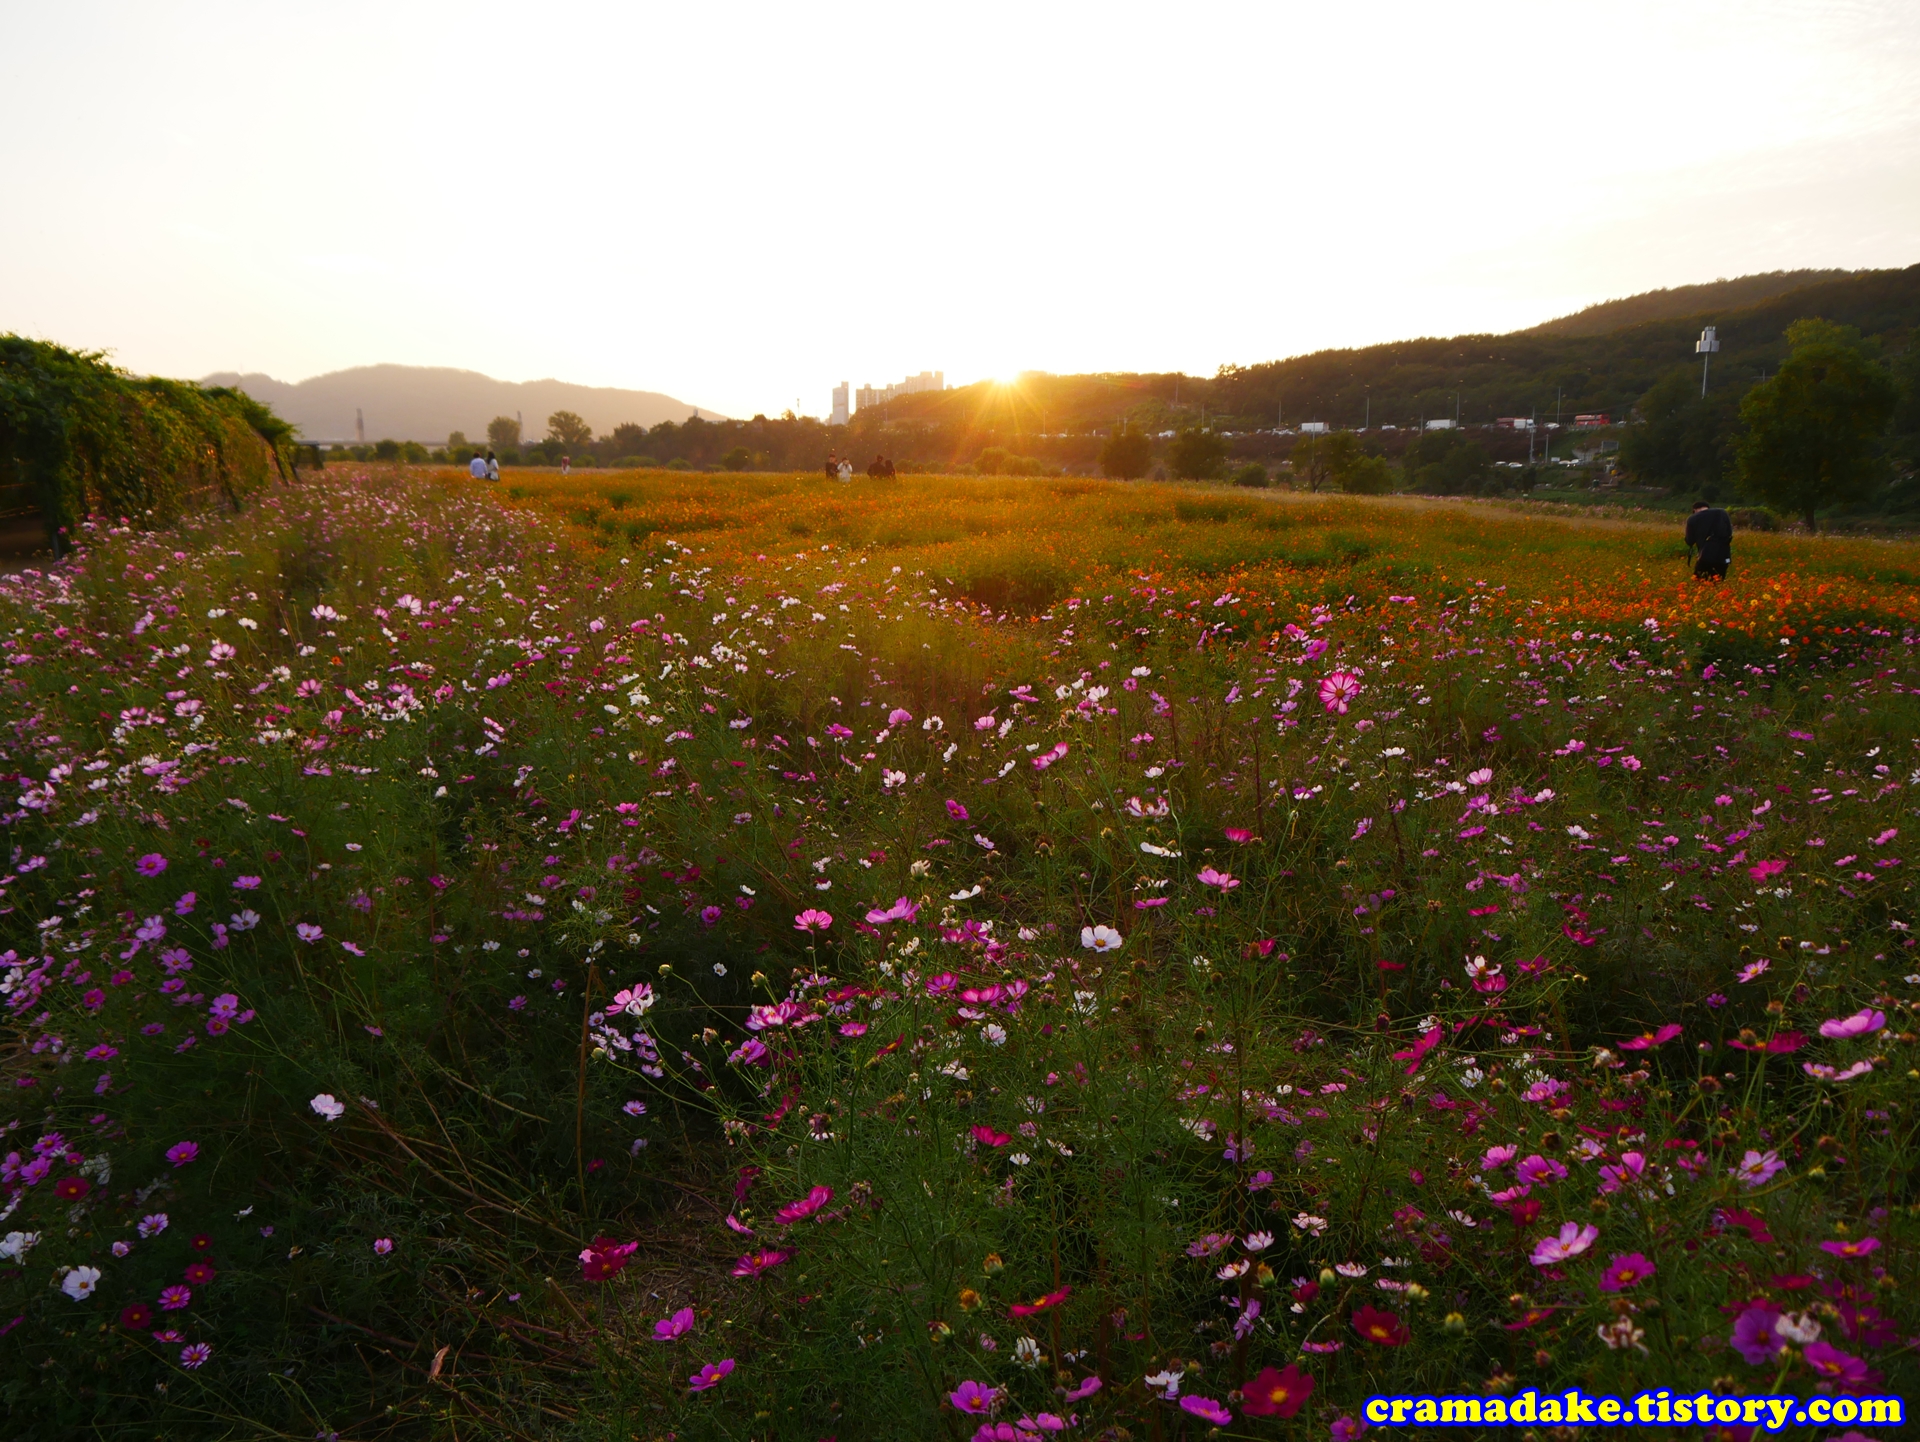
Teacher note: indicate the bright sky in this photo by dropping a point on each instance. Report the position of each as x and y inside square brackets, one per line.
[741, 205]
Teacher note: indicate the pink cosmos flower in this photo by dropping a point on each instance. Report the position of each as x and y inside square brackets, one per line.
[956, 810]
[1861, 1248]
[1537, 1168]
[899, 716]
[812, 920]
[812, 1202]
[180, 1153]
[172, 1299]
[1837, 1369]
[1649, 1039]
[1414, 1055]
[195, 1354]
[709, 1375]
[1571, 1240]
[1497, 1157]
[1238, 834]
[901, 910]
[152, 864]
[307, 932]
[1862, 1023]
[988, 1137]
[1205, 1408]
[1209, 877]
[975, 1399]
[1757, 1168]
[1633, 1166]
[246, 883]
[1339, 690]
[1624, 1271]
[671, 1329]
[764, 1260]
[1762, 870]
[382, 1246]
[1753, 969]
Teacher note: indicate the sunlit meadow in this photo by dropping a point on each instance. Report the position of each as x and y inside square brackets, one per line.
[656, 955]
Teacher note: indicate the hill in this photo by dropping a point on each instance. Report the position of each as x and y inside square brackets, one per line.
[425, 403]
[1683, 300]
[1403, 383]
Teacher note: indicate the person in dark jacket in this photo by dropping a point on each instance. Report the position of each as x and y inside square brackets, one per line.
[1710, 534]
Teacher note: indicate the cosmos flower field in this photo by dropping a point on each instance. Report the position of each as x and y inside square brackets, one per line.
[662, 956]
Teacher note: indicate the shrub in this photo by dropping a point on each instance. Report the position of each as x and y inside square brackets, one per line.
[1252, 474]
[1197, 455]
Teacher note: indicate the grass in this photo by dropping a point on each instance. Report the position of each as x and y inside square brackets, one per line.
[938, 946]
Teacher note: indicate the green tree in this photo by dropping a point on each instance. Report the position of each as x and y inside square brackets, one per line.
[1197, 455]
[1313, 458]
[1253, 475]
[386, 450]
[503, 431]
[1126, 454]
[1681, 440]
[456, 440]
[568, 431]
[991, 461]
[1446, 463]
[737, 459]
[1813, 432]
[1365, 476]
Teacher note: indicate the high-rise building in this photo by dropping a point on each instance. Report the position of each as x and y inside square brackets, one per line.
[840, 414]
[912, 385]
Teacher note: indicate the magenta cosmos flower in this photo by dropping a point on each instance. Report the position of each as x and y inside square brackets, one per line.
[709, 1375]
[1624, 1271]
[180, 1153]
[671, 1329]
[812, 920]
[1571, 1240]
[1209, 877]
[1339, 690]
[152, 864]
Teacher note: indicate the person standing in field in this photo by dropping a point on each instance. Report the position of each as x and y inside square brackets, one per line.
[493, 467]
[833, 466]
[846, 471]
[477, 467]
[566, 465]
[1710, 533]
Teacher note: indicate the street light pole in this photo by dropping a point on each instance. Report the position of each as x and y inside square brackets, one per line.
[1708, 343]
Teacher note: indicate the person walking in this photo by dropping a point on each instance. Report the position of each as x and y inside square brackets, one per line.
[477, 467]
[1710, 533]
[493, 467]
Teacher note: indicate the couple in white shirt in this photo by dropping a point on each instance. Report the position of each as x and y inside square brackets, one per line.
[484, 468]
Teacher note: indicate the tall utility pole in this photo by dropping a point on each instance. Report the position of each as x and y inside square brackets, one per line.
[1708, 343]
[1367, 424]
[1456, 410]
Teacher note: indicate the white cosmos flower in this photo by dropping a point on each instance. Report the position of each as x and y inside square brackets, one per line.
[327, 1106]
[80, 1282]
[1100, 938]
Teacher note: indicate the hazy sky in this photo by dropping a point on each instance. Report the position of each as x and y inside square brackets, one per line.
[741, 205]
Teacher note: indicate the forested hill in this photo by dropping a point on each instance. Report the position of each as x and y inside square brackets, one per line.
[1409, 381]
[1684, 300]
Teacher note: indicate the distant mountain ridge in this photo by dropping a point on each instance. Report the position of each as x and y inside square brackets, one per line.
[1674, 302]
[426, 403]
